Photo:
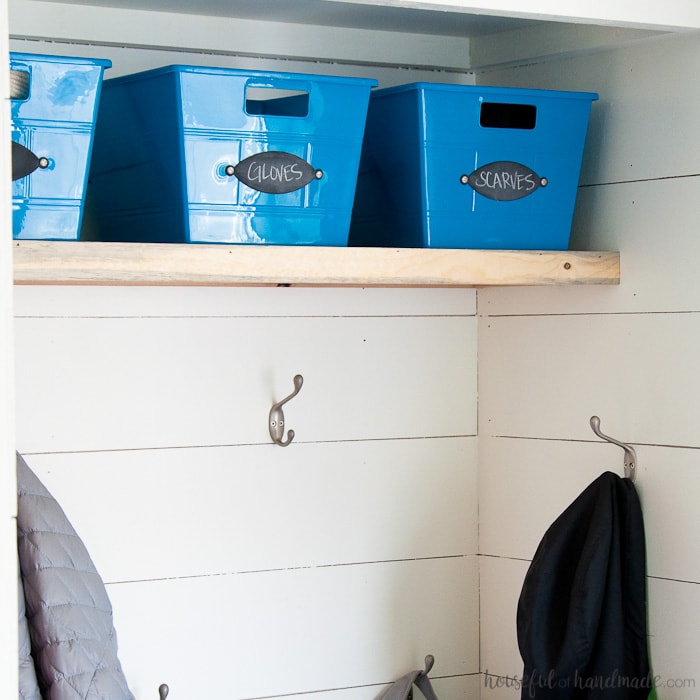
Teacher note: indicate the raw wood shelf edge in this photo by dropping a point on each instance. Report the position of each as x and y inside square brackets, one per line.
[91, 262]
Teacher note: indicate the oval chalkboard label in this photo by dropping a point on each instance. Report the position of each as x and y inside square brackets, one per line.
[275, 172]
[24, 162]
[504, 180]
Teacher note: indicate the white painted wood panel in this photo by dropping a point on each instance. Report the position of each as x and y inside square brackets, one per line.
[500, 582]
[8, 614]
[669, 488]
[650, 215]
[86, 384]
[8, 500]
[618, 354]
[458, 687]
[287, 632]
[222, 36]
[462, 18]
[643, 124]
[654, 226]
[682, 13]
[674, 637]
[524, 485]
[542, 41]
[221, 510]
[546, 375]
[132, 59]
[64, 301]
[500, 688]
[677, 14]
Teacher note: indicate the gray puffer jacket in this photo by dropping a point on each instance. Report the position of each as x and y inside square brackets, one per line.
[68, 613]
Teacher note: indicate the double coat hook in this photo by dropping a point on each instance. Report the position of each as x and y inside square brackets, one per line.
[630, 454]
[276, 420]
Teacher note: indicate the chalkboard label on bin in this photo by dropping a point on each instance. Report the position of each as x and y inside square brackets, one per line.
[504, 181]
[24, 162]
[275, 172]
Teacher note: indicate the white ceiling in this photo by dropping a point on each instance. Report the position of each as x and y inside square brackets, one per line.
[333, 14]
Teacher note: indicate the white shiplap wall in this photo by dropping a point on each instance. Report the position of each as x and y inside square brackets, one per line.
[551, 358]
[237, 568]
[8, 489]
[241, 570]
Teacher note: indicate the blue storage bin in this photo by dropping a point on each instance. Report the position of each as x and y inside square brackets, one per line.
[53, 103]
[213, 155]
[452, 166]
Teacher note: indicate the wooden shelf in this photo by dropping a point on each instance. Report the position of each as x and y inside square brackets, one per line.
[88, 262]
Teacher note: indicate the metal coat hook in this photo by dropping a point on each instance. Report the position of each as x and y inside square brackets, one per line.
[630, 454]
[163, 691]
[276, 420]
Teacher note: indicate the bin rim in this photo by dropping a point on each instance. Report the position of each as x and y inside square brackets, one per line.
[19, 56]
[245, 73]
[496, 90]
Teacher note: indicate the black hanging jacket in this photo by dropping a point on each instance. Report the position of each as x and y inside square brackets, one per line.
[581, 621]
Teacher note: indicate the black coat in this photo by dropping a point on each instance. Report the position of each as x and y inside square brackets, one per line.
[582, 618]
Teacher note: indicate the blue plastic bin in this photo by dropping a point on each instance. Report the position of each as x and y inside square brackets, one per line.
[53, 107]
[188, 154]
[452, 166]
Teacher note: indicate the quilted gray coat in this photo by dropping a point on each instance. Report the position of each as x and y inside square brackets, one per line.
[68, 645]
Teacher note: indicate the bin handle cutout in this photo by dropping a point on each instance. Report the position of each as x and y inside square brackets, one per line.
[276, 419]
[504, 115]
[270, 101]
